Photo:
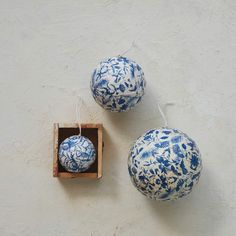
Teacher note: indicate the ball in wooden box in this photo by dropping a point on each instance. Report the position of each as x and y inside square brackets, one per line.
[94, 132]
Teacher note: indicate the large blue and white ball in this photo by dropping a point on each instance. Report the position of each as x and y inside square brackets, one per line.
[164, 164]
[118, 84]
[77, 153]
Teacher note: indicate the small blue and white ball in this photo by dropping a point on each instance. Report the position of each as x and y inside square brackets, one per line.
[164, 164]
[77, 153]
[118, 84]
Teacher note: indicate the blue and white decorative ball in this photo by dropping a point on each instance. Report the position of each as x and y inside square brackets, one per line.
[164, 164]
[77, 153]
[118, 84]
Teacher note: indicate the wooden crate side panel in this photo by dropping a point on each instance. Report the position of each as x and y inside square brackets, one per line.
[55, 150]
[76, 125]
[100, 150]
[76, 175]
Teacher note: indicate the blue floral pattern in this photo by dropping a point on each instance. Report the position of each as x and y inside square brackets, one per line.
[77, 153]
[118, 84]
[164, 164]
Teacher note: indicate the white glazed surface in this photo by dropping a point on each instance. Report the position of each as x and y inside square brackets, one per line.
[48, 50]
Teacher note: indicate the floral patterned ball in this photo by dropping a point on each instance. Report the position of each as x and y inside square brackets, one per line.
[164, 164]
[118, 84]
[77, 153]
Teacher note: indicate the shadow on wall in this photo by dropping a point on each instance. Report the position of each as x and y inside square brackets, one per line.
[144, 116]
[191, 215]
[95, 188]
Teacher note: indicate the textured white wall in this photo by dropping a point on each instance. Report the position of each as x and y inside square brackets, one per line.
[48, 50]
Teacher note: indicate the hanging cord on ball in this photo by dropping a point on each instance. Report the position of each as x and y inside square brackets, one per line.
[127, 50]
[162, 114]
[78, 113]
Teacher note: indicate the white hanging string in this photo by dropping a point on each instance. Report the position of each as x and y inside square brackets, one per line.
[127, 50]
[78, 113]
[157, 105]
[162, 114]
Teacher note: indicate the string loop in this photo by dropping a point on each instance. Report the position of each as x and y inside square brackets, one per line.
[78, 113]
[162, 114]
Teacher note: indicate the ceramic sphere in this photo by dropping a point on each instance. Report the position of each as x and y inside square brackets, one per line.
[77, 153]
[164, 164]
[118, 84]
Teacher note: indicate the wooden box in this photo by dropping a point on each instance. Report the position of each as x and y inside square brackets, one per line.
[92, 131]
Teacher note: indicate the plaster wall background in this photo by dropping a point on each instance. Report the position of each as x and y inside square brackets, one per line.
[48, 50]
